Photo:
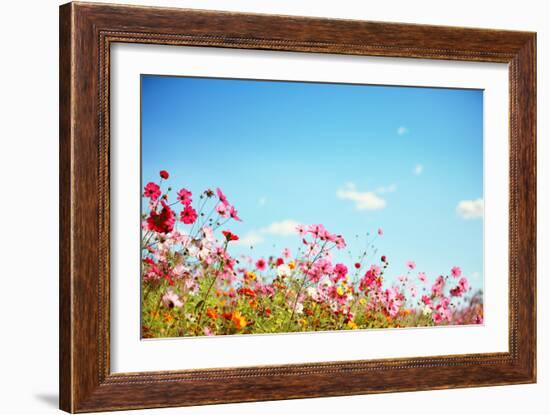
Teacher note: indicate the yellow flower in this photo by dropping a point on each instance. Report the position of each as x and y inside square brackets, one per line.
[362, 301]
[352, 325]
[238, 320]
[340, 291]
[251, 275]
[292, 264]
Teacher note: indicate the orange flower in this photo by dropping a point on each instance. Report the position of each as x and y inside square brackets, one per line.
[352, 325]
[250, 276]
[247, 291]
[210, 312]
[168, 317]
[238, 320]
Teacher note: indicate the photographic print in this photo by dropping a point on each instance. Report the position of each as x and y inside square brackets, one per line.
[286, 206]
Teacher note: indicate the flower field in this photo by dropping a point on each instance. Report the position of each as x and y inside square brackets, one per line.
[193, 286]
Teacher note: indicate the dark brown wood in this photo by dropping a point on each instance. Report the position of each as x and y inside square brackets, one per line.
[86, 33]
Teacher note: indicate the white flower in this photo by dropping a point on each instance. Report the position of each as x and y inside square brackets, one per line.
[427, 310]
[311, 291]
[170, 299]
[180, 270]
[299, 308]
[283, 270]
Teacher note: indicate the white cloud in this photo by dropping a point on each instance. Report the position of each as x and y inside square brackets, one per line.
[402, 130]
[252, 238]
[470, 209]
[363, 200]
[418, 169]
[386, 189]
[285, 227]
[475, 275]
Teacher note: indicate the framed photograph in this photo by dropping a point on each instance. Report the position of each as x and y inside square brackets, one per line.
[259, 207]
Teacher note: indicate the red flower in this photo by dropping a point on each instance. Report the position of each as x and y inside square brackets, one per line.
[246, 291]
[164, 174]
[280, 261]
[357, 265]
[162, 222]
[230, 236]
[152, 190]
[188, 215]
[184, 197]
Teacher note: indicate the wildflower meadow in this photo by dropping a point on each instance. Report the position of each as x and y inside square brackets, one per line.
[192, 284]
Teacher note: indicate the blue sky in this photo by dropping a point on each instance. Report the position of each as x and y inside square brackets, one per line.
[352, 157]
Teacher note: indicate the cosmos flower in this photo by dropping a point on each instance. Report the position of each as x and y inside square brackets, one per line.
[456, 272]
[151, 191]
[223, 210]
[261, 264]
[184, 197]
[171, 300]
[188, 215]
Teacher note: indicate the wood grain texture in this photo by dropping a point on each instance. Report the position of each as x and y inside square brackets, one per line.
[86, 33]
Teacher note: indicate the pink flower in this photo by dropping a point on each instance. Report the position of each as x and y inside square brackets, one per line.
[261, 264]
[456, 272]
[152, 191]
[318, 231]
[301, 229]
[437, 287]
[286, 253]
[188, 215]
[223, 210]
[422, 276]
[380, 232]
[164, 174]
[222, 197]
[184, 197]
[340, 242]
[371, 278]
[170, 299]
[233, 213]
[463, 284]
[426, 300]
[410, 265]
[341, 271]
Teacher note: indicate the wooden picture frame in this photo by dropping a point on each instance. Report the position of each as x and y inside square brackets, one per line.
[86, 33]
